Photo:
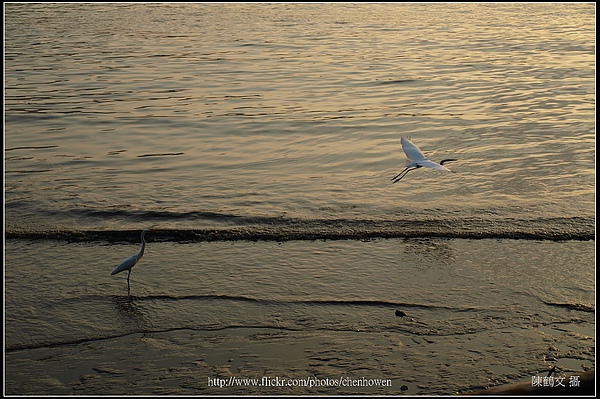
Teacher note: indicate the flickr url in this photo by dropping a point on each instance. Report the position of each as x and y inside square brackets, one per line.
[309, 382]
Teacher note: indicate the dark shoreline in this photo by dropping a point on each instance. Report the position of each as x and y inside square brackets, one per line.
[280, 235]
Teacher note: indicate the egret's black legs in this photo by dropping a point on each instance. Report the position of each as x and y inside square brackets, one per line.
[403, 173]
[394, 178]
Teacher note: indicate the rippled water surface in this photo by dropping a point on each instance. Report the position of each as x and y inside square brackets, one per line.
[226, 124]
[121, 115]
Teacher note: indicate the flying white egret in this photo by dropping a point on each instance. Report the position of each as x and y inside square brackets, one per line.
[416, 160]
[128, 263]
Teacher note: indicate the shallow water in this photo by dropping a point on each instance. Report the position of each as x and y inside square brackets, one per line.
[205, 283]
[295, 310]
[260, 140]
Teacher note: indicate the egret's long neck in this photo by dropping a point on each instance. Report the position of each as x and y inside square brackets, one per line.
[143, 247]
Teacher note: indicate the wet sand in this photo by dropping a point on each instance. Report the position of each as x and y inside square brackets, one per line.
[190, 362]
[298, 347]
[246, 361]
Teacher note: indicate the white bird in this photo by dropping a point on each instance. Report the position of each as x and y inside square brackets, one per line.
[128, 263]
[416, 160]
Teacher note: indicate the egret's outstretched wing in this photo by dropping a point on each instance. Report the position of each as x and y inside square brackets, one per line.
[412, 151]
[430, 164]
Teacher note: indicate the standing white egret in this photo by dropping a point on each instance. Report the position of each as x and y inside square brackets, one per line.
[416, 160]
[128, 263]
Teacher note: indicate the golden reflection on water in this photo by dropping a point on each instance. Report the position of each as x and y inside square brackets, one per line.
[264, 104]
